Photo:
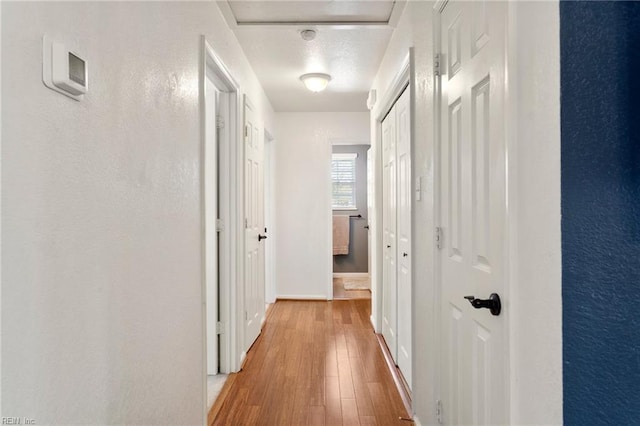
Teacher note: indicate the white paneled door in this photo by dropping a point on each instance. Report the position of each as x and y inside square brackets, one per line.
[403, 254]
[473, 211]
[389, 285]
[254, 227]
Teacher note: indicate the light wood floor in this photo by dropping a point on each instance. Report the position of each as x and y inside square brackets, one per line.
[315, 363]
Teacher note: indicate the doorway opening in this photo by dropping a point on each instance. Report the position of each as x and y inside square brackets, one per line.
[350, 208]
[219, 115]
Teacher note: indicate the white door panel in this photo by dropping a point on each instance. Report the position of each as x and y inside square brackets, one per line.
[389, 296]
[473, 211]
[396, 221]
[403, 132]
[254, 228]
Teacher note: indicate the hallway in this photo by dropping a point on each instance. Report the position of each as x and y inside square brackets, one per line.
[169, 169]
[315, 363]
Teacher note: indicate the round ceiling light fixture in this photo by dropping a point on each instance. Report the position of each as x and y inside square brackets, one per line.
[316, 82]
[308, 35]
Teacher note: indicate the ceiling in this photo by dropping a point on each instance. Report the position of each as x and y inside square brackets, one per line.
[351, 40]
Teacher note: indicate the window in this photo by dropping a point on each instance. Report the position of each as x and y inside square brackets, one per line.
[343, 176]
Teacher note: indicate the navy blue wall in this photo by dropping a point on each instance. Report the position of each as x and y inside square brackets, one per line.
[600, 86]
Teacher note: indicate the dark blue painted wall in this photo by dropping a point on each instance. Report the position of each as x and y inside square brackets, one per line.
[600, 86]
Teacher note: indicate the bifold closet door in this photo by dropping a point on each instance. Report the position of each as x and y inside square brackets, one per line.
[403, 256]
[389, 272]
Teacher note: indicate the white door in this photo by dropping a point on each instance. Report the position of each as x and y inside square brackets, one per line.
[403, 256]
[211, 215]
[254, 227]
[389, 290]
[473, 211]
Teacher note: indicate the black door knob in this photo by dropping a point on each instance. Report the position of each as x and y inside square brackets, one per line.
[405, 254]
[261, 237]
[388, 245]
[492, 303]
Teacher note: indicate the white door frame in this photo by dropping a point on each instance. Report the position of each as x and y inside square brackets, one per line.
[269, 198]
[213, 69]
[214, 101]
[402, 79]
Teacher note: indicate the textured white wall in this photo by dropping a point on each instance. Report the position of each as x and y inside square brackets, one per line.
[102, 292]
[303, 197]
[535, 303]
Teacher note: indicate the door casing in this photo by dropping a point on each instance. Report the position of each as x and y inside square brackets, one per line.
[230, 209]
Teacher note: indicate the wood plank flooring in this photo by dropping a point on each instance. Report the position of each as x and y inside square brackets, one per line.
[315, 363]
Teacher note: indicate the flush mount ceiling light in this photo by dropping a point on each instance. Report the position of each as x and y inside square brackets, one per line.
[308, 35]
[316, 82]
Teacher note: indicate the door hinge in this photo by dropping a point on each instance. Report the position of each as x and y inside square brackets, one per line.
[439, 411]
[219, 122]
[436, 64]
[439, 237]
[246, 223]
[219, 225]
[220, 327]
[246, 131]
[246, 315]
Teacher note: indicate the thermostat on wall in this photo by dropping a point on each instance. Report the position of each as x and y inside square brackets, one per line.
[62, 70]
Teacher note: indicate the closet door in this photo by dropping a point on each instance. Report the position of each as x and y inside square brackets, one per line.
[389, 272]
[403, 256]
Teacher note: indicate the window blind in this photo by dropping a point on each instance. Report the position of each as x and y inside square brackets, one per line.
[343, 176]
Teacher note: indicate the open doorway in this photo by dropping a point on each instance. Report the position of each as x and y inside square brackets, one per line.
[349, 194]
[219, 114]
[214, 128]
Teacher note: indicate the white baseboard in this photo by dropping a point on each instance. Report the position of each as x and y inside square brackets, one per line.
[416, 421]
[301, 297]
[350, 275]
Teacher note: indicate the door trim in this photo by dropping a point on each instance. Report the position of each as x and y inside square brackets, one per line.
[213, 69]
[269, 222]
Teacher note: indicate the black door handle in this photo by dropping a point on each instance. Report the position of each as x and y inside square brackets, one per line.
[405, 254]
[388, 245]
[261, 237]
[492, 303]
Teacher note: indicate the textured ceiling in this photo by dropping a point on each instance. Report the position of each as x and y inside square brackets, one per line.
[351, 40]
[311, 11]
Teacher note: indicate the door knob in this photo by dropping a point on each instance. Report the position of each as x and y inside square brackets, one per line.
[261, 237]
[492, 303]
[405, 254]
[388, 245]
